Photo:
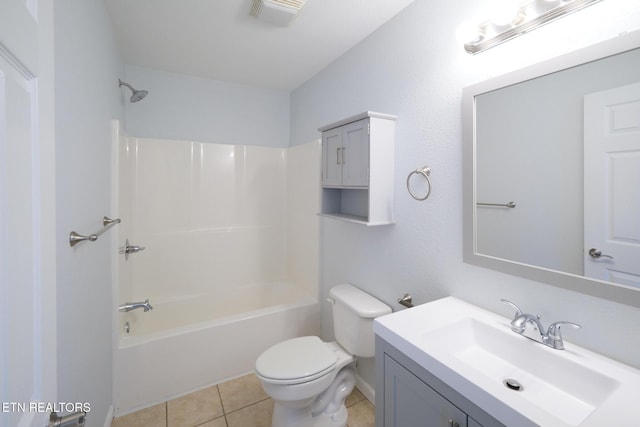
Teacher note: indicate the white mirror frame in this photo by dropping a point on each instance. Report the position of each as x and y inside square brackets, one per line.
[598, 288]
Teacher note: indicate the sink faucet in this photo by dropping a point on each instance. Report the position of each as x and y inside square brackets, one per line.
[530, 326]
[128, 306]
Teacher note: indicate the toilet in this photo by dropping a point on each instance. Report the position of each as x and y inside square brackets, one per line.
[309, 379]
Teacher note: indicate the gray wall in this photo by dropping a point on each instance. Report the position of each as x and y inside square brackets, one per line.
[416, 67]
[191, 108]
[87, 67]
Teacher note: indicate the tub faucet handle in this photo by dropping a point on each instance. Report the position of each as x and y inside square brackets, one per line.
[128, 306]
[130, 249]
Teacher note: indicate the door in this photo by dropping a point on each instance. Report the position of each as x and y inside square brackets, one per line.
[331, 157]
[27, 210]
[355, 154]
[612, 185]
[410, 402]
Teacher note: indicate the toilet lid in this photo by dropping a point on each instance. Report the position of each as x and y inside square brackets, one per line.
[304, 357]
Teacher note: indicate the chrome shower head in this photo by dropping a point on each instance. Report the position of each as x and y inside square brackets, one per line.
[137, 95]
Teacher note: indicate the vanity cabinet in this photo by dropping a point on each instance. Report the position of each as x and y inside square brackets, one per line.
[409, 401]
[408, 395]
[358, 156]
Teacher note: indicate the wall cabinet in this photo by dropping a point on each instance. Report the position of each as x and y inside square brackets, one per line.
[345, 154]
[358, 156]
[408, 395]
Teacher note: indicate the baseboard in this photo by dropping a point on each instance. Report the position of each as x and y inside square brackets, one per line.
[107, 421]
[368, 391]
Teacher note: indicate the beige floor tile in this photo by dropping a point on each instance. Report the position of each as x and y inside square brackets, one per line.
[154, 416]
[195, 408]
[362, 414]
[353, 398]
[218, 422]
[256, 415]
[241, 392]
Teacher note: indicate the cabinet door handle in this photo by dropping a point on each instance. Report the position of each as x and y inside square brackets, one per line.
[342, 156]
[338, 156]
[453, 424]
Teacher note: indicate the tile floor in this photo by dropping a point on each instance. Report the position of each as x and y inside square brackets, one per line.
[236, 403]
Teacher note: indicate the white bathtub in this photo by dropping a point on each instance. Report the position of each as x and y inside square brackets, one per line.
[193, 342]
[219, 224]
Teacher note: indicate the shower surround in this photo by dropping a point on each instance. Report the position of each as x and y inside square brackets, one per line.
[230, 263]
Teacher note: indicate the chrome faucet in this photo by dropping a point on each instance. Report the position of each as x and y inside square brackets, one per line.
[530, 326]
[128, 306]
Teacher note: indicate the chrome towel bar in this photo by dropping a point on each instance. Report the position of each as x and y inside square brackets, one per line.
[75, 238]
[509, 205]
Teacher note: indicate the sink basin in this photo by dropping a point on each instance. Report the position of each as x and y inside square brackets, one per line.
[493, 354]
[476, 352]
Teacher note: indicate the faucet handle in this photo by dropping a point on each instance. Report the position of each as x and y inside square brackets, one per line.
[554, 335]
[512, 305]
[554, 328]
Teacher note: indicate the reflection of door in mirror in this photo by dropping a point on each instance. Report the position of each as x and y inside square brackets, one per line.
[611, 177]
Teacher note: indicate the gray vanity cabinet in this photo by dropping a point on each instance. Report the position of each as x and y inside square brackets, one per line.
[407, 395]
[410, 402]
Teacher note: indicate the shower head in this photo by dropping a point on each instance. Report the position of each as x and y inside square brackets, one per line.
[137, 95]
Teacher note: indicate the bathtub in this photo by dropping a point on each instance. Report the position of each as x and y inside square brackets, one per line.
[220, 224]
[195, 341]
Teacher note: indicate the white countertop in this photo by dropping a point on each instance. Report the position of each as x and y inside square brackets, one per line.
[472, 349]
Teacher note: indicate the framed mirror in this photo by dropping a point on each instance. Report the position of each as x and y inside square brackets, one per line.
[552, 171]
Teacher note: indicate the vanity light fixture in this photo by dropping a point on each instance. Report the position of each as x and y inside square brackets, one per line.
[530, 15]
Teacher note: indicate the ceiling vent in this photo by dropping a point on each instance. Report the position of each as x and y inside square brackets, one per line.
[277, 12]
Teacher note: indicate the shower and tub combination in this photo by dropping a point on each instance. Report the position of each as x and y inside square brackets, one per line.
[229, 266]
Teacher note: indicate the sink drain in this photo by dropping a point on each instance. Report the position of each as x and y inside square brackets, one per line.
[512, 384]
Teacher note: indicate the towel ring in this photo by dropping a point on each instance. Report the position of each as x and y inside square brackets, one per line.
[424, 171]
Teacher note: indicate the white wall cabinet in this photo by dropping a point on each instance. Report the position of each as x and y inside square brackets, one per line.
[345, 155]
[358, 156]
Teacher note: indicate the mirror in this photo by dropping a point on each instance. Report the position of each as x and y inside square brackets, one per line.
[546, 197]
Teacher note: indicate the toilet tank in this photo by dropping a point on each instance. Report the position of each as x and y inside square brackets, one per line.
[353, 314]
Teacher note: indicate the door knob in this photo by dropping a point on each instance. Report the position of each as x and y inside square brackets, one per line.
[596, 253]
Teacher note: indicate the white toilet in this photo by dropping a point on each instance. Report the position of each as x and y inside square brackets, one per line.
[309, 379]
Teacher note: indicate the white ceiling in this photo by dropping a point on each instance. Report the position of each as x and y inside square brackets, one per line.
[218, 39]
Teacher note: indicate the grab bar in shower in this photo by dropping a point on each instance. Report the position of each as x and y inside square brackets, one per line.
[510, 205]
[75, 238]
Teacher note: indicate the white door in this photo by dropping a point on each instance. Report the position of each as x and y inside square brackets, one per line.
[355, 154]
[331, 157]
[27, 214]
[612, 185]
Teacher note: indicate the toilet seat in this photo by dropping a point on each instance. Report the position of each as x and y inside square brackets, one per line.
[295, 361]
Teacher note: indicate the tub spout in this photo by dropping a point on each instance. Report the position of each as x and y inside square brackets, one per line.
[128, 306]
